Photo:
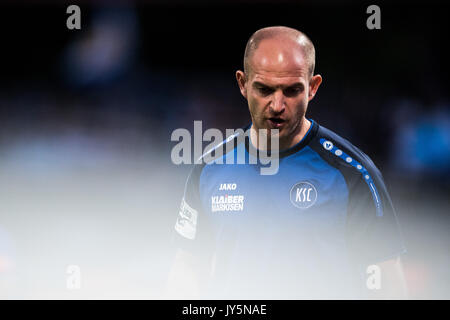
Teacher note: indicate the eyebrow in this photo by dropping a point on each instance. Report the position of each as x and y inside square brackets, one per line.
[260, 84]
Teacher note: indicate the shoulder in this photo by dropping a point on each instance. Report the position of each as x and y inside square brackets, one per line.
[361, 174]
[214, 157]
[341, 153]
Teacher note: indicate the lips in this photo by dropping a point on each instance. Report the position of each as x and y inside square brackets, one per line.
[275, 122]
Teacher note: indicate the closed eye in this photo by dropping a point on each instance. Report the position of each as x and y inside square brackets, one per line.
[265, 91]
[293, 91]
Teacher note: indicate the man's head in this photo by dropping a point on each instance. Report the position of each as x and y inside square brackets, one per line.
[278, 80]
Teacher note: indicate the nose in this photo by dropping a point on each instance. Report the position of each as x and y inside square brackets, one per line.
[277, 104]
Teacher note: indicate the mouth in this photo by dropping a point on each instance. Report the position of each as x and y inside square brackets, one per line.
[275, 122]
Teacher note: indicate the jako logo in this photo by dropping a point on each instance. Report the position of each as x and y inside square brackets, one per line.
[303, 195]
[227, 186]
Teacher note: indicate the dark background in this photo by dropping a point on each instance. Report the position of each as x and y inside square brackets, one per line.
[86, 117]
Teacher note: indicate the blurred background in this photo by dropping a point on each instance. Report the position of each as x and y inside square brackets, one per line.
[86, 116]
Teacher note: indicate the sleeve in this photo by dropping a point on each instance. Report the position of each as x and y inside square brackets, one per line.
[190, 207]
[192, 229]
[373, 231]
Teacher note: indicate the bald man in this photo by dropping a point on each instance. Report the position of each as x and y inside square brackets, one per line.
[313, 229]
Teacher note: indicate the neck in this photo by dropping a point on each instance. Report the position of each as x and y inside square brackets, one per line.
[264, 142]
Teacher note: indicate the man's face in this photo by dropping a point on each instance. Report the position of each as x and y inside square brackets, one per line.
[278, 87]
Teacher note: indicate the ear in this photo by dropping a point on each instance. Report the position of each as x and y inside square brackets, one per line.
[314, 84]
[240, 77]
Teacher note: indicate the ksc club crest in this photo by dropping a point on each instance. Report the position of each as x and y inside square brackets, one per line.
[303, 195]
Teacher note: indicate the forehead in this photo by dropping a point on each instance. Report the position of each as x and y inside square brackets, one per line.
[279, 60]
